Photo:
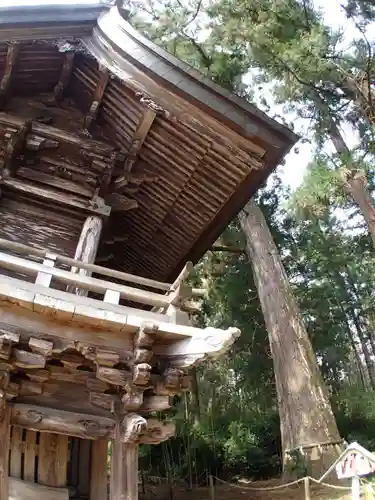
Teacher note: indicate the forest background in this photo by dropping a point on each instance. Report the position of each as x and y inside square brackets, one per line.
[308, 72]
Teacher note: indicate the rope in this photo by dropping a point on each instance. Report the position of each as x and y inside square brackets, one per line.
[335, 487]
[269, 488]
[283, 486]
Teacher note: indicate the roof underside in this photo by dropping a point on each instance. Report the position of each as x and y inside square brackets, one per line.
[205, 152]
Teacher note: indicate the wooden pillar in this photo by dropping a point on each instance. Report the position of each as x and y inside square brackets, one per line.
[124, 470]
[4, 447]
[87, 247]
[99, 476]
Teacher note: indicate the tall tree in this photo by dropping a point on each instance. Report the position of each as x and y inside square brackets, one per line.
[308, 426]
[299, 403]
[290, 46]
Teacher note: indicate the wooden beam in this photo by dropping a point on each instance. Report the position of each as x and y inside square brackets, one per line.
[101, 85]
[88, 146]
[10, 62]
[139, 137]
[65, 76]
[44, 419]
[52, 195]
[87, 248]
[99, 476]
[4, 449]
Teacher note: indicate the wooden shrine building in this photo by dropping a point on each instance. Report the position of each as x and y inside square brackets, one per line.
[120, 165]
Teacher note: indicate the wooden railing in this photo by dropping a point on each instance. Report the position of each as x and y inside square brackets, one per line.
[176, 294]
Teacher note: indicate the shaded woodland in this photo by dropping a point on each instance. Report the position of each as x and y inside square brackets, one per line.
[295, 271]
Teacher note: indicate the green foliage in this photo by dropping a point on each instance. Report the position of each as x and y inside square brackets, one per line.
[330, 264]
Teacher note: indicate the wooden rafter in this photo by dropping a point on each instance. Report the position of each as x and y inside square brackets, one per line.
[11, 59]
[65, 76]
[144, 125]
[92, 114]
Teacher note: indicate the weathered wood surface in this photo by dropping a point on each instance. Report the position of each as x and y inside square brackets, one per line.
[53, 460]
[24, 490]
[4, 449]
[17, 264]
[16, 452]
[99, 474]
[31, 450]
[10, 63]
[87, 248]
[124, 469]
[37, 227]
[132, 428]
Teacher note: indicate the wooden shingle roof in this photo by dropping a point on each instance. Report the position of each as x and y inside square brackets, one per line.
[198, 151]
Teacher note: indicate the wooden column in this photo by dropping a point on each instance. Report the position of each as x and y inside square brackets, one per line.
[87, 247]
[4, 447]
[99, 476]
[124, 470]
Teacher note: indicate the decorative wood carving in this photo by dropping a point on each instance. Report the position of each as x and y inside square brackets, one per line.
[10, 62]
[133, 427]
[61, 422]
[157, 432]
[208, 342]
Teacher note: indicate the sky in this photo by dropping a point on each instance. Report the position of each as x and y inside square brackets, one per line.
[293, 170]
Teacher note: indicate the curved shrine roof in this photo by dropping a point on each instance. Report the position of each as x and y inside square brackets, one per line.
[198, 151]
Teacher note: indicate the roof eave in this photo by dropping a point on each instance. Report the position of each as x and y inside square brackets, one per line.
[41, 22]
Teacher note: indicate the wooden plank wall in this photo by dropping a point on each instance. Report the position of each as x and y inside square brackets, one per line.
[59, 461]
[39, 458]
[38, 226]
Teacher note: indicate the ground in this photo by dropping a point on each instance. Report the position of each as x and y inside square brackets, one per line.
[226, 492]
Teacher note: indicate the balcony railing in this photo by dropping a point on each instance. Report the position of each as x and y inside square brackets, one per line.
[43, 267]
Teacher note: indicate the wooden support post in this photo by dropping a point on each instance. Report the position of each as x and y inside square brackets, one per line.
[212, 487]
[99, 477]
[10, 62]
[124, 469]
[87, 247]
[4, 449]
[306, 482]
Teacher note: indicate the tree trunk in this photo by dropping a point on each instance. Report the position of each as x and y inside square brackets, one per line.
[309, 434]
[355, 184]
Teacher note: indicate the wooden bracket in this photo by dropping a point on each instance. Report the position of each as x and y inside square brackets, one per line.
[144, 126]
[92, 114]
[15, 146]
[65, 76]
